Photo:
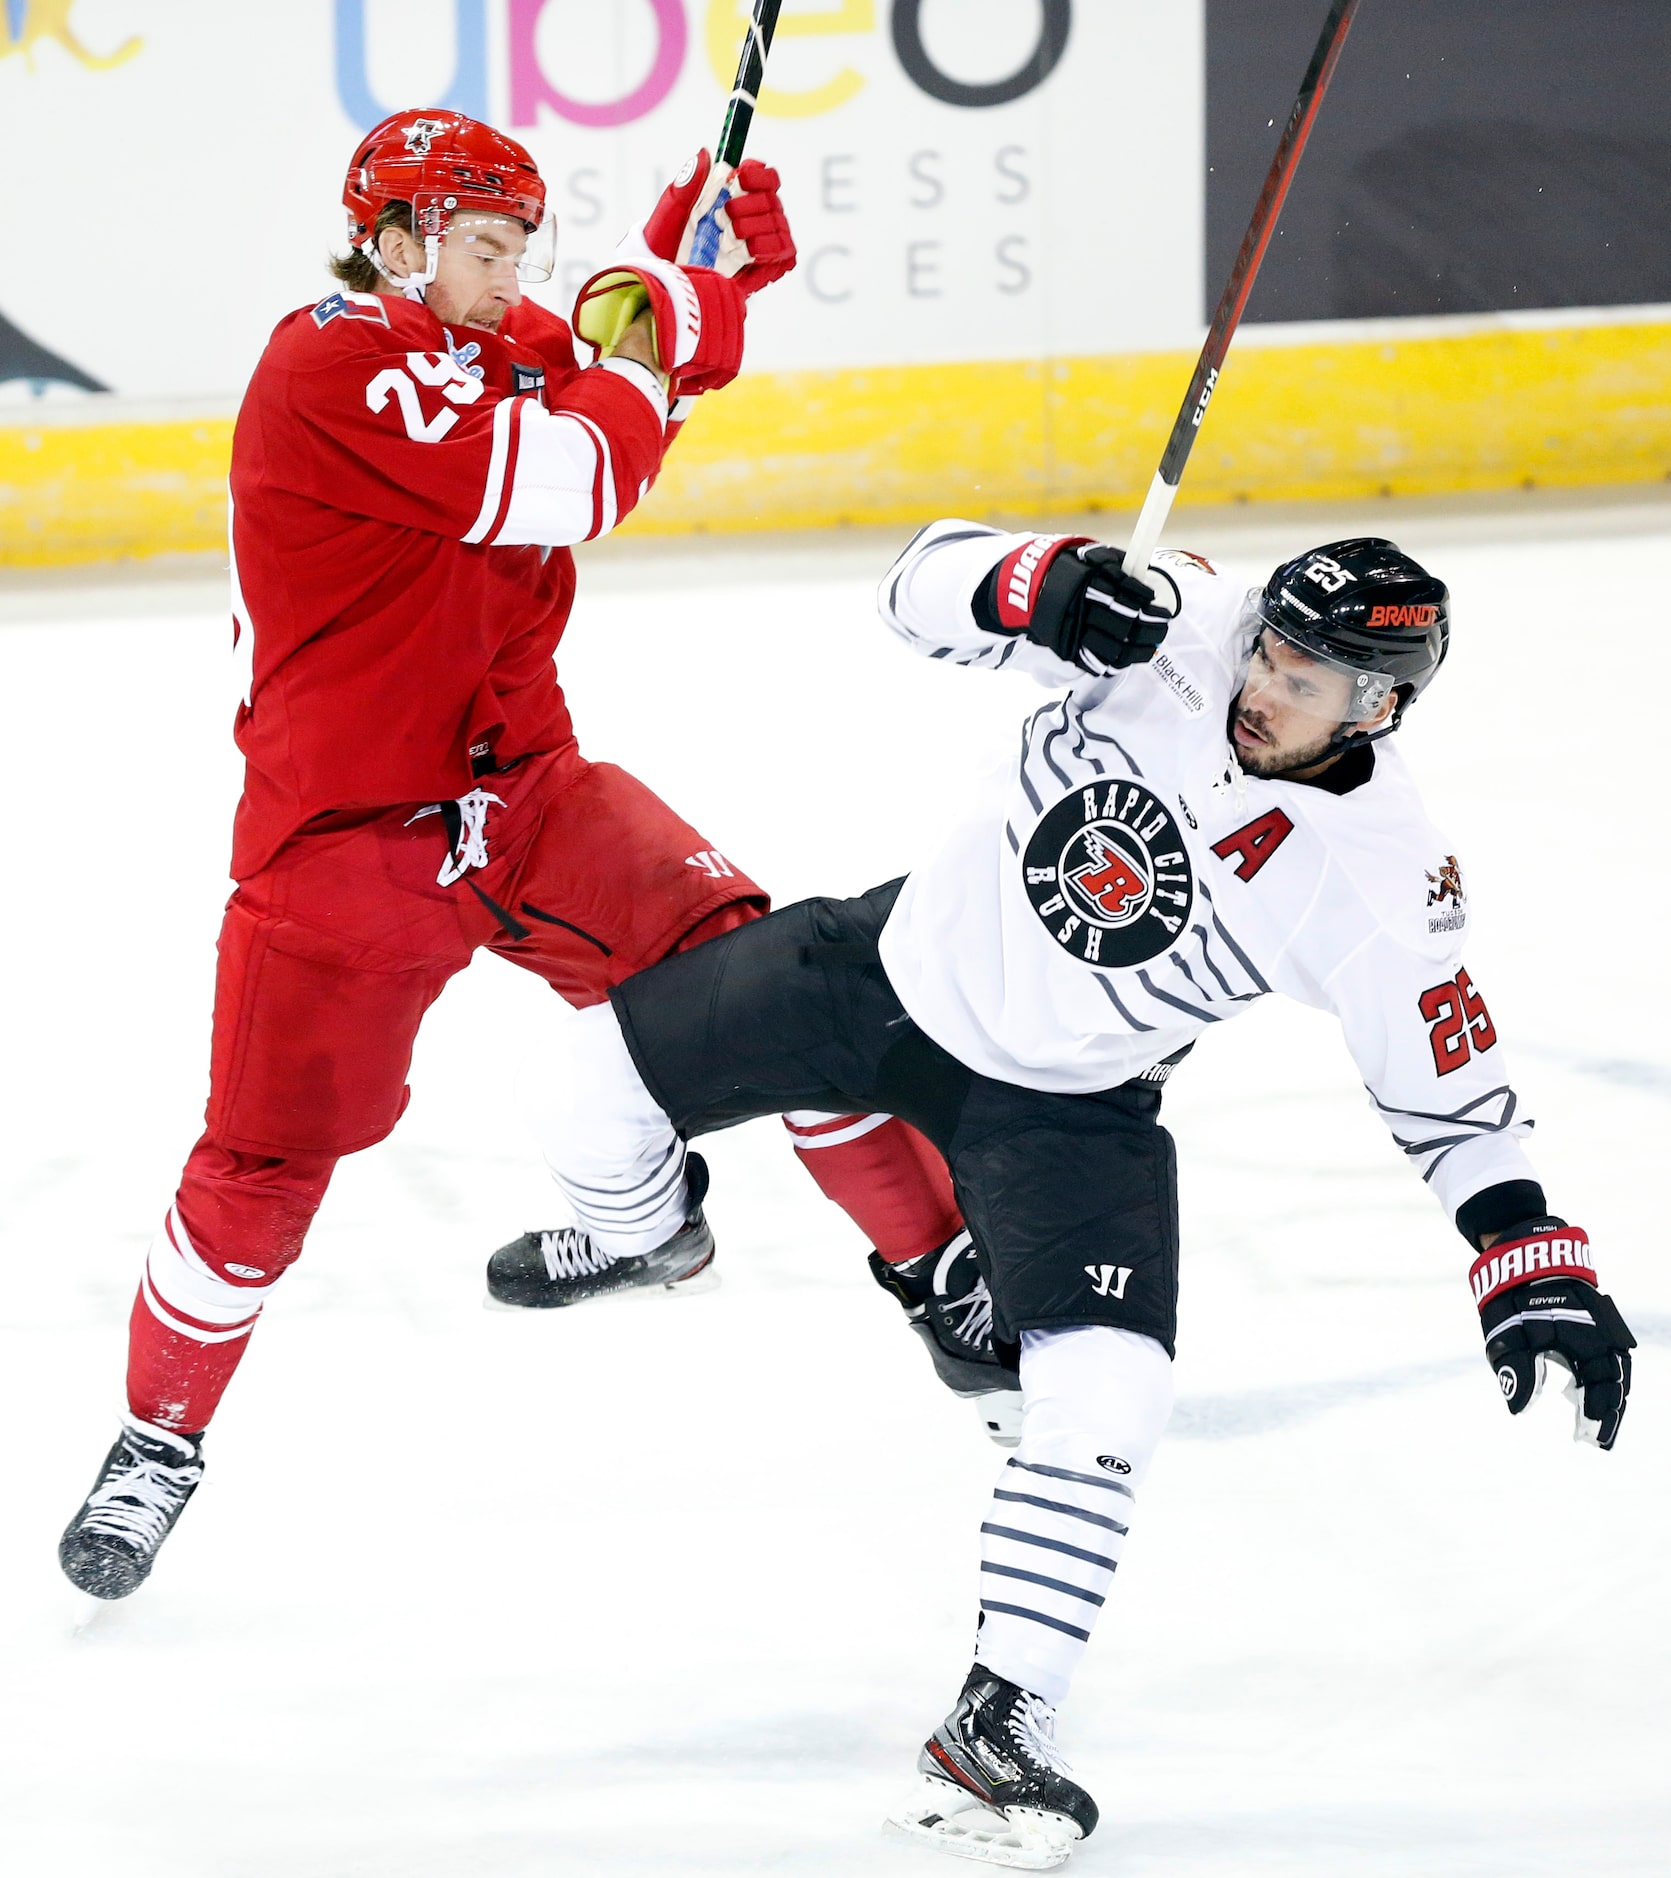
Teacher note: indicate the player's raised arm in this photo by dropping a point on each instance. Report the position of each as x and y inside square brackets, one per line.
[755, 249]
[402, 431]
[1059, 607]
[409, 435]
[1427, 1047]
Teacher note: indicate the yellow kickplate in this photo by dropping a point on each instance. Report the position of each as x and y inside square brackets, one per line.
[1337, 419]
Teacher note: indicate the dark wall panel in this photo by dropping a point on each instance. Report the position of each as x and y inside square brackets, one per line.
[1471, 156]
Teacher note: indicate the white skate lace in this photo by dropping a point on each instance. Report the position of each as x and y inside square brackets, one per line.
[472, 835]
[970, 1318]
[138, 1504]
[571, 1254]
[1032, 1725]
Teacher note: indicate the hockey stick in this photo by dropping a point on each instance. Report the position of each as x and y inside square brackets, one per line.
[1157, 504]
[739, 115]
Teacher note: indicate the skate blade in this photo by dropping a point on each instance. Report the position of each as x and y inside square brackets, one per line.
[707, 1279]
[955, 1822]
[1000, 1413]
[87, 1618]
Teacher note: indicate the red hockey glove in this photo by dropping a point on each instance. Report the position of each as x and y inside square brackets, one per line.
[668, 228]
[697, 314]
[1538, 1302]
[1075, 599]
[756, 246]
[757, 218]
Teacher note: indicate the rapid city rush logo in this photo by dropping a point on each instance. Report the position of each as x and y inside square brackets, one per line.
[1107, 872]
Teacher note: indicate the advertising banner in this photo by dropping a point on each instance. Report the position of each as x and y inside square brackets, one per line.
[1013, 218]
[968, 179]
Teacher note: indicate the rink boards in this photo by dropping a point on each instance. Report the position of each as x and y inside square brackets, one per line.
[1307, 412]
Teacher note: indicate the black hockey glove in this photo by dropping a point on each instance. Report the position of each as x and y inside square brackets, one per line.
[1074, 598]
[1538, 1301]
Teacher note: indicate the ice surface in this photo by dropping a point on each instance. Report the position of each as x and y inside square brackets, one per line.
[679, 1587]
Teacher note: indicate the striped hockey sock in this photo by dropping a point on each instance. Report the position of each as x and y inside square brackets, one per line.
[1049, 1549]
[188, 1330]
[1095, 1400]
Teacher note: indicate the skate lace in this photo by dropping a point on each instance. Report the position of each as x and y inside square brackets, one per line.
[1032, 1726]
[138, 1503]
[569, 1253]
[970, 1318]
[471, 847]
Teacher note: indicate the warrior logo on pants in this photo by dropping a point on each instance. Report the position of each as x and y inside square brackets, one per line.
[1107, 872]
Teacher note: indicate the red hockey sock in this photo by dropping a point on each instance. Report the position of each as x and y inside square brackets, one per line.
[887, 1179]
[237, 1224]
[176, 1376]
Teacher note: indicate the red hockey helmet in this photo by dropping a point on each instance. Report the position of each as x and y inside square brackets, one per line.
[447, 164]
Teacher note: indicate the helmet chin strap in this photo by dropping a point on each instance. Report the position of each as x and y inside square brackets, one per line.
[411, 285]
[1346, 734]
[1343, 739]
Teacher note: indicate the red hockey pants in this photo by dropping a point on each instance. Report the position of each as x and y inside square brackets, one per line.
[328, 960]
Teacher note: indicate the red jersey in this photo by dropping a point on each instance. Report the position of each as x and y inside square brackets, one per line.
[403, 497]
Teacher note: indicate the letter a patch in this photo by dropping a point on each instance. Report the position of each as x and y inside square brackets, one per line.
[1256, 843]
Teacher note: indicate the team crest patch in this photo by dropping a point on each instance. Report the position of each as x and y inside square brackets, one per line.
[1107, 872]
[1446, 892]
[1181, 557]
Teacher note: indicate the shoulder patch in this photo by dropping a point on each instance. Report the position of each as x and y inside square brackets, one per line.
[351, 306]
[1181, 557]
[1447, 898]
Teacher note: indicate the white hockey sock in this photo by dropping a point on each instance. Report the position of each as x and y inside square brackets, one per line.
[1094, 1403]
[609, 1146]
[186, 1296]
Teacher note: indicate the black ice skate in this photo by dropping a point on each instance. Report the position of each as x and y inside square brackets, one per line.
[948, 1305]
[993, 1785]
[543, 1271]
[147, 1478]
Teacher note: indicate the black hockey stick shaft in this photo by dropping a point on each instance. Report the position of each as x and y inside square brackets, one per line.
[1290, 147]
[739, 115]
[745, 93]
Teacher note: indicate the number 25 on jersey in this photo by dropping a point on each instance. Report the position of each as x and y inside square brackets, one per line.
[1458, 1022]
[427, 368]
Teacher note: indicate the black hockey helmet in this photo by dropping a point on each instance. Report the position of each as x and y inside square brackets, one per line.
[1365, 608]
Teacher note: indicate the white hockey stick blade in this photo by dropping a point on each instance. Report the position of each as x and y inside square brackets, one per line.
[1000, 1413]
[952, 1821]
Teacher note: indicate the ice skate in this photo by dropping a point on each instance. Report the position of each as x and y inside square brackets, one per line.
[993, 1786]
[948, 1305]
[110, 1546]
[543, 1271]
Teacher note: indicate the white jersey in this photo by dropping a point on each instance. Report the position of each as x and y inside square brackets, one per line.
[1132, 886]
